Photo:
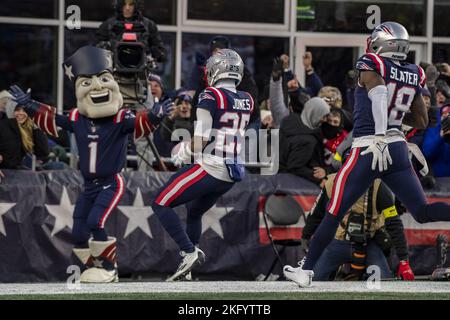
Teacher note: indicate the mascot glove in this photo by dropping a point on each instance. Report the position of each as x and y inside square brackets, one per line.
[23, 99]
[404, 271]
[160, 110]
[183, 156]
[381, 156]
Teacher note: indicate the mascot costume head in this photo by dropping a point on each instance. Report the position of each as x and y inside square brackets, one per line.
[98, 94]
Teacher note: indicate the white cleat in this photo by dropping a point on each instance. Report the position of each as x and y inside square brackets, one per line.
[190, 260]
[303, 278]
[99, 275]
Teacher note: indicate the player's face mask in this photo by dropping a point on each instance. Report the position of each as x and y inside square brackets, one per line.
[98, 96]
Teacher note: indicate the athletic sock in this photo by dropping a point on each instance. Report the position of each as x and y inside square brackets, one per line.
[322, 237]
[172, 223]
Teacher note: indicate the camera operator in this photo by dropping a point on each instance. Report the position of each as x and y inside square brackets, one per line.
[128, 11]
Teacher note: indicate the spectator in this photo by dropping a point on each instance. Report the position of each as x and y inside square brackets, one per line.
[334, 133]
[313, 83]
[19, 137]
[180, 118]
[156, 87]
[436, 151]
[442, 92]
[333, 97]
[301, 147]
[128, 11]
[4, 98]
[276, 96]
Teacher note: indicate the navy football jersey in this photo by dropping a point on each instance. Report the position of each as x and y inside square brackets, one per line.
[403, 81]
[231, 113]
[102, 143]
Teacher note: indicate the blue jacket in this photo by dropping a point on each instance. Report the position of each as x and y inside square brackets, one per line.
[437, 152]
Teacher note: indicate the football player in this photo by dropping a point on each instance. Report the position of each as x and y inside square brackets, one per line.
[388, 94]
[223, 114]
[101, 129]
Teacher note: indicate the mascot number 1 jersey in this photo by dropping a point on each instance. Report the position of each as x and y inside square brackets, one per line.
[230, 112]
[403, 81]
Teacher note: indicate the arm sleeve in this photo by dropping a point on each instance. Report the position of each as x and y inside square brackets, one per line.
[64, 122]
[102, 32]
[129, 122]
[394, 225]
[277, 106]
[316, 216]
[314, 83]
[378, 96]
[204, 123]
[157, 48]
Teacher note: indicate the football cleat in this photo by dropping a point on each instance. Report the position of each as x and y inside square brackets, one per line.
[190, 260]
[303, 278]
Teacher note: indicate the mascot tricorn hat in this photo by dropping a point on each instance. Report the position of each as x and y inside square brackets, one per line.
[87, 61]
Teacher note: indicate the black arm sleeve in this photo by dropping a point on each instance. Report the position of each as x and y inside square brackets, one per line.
[102, 32]
[155, 43]
[316, 216]
[394, 225]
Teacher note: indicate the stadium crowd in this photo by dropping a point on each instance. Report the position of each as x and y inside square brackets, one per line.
[313, 121]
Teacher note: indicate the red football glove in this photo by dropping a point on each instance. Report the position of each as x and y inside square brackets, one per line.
[404, 271]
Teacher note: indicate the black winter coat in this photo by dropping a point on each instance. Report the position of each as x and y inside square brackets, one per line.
[301, 148]
[11, 146]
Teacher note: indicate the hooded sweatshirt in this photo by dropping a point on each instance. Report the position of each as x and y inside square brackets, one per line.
[301, 147]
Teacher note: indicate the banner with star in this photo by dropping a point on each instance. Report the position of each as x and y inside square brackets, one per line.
[36, 222]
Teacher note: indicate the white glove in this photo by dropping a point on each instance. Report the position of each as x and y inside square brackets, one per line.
[379, 149]
[183, 156]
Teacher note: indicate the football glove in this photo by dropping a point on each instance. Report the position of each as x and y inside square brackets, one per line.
[381, 156]
[404, 271]
[183, 155]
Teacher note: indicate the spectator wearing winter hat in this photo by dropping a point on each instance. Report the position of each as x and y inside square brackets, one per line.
[19, 137]
[333, 97]
[301, 146]
[156, 87]
[181, 117]
[5, 98]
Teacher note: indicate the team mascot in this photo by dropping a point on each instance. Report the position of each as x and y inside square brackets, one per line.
[101, 129]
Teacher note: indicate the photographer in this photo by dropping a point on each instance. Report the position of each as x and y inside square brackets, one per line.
[127, 11]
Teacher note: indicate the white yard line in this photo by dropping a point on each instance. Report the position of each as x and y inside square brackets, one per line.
[220, 287]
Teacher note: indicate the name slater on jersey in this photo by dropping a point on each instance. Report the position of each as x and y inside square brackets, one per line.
[242, 104]
[93, 137]
[405, 76]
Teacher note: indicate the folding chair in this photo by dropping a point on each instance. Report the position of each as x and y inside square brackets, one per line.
[281, 215]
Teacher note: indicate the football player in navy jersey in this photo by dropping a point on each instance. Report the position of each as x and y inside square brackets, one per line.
[388, 94]
[101, 129]
[223, 114]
